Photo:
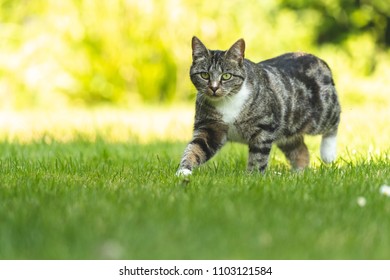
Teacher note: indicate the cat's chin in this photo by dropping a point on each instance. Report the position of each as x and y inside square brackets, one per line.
[215, 98]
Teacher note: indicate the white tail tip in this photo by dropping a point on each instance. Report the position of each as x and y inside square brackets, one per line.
[328, 148]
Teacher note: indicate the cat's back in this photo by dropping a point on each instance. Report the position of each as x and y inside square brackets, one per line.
[298, 64]
[304, 87]
[289, 58]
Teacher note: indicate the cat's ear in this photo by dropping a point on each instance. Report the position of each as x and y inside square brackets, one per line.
[237, 51]
[198, 49]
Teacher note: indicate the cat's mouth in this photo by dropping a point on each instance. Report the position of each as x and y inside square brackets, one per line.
[214, 95]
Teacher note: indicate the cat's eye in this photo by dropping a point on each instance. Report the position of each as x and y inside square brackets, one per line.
[226, 76]
[205, 75]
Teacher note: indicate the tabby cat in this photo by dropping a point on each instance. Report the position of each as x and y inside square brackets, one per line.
[274, 101]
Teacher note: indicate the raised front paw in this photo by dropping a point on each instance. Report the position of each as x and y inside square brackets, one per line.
[183, 172]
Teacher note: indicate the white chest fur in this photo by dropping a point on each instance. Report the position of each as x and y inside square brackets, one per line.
[230, 109]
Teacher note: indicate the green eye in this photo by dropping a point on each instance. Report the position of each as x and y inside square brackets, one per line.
[205, 75]
[226, 76]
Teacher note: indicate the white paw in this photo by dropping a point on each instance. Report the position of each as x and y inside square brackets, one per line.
[183, 172]
[328, 148]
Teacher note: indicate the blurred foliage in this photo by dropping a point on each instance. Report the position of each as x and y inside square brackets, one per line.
[340, 19]
[126, 52]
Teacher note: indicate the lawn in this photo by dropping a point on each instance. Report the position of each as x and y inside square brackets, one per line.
[87, 190]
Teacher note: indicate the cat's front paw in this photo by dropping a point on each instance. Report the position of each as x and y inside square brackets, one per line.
[183, 172]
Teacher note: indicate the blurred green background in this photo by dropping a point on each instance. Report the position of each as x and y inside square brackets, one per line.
[127, 53]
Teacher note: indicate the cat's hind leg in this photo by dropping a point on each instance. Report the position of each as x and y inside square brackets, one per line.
[296, 152]
[328, 149]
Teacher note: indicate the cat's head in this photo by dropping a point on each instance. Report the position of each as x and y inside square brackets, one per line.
[217, 74]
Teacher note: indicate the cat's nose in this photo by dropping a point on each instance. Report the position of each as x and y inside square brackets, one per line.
[214, 88]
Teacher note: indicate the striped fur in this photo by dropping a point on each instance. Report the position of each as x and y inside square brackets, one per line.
[276, 101]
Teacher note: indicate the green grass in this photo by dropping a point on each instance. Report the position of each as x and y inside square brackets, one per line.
[99, 200]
